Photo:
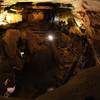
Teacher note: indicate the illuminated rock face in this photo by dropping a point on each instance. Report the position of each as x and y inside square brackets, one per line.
[8, 18]
[93, 12]
[81, 6]
[76, 3]
[89, 16]
[13, 18]
[95, 23]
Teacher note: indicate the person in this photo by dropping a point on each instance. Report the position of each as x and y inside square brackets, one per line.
[6, 69]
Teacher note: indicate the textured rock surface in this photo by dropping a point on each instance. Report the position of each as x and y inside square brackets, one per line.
[83, 85]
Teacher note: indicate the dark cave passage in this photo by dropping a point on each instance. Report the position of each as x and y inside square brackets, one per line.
[37, 75]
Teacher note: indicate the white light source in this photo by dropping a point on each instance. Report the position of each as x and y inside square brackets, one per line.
[22, 53]
[50, 37]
